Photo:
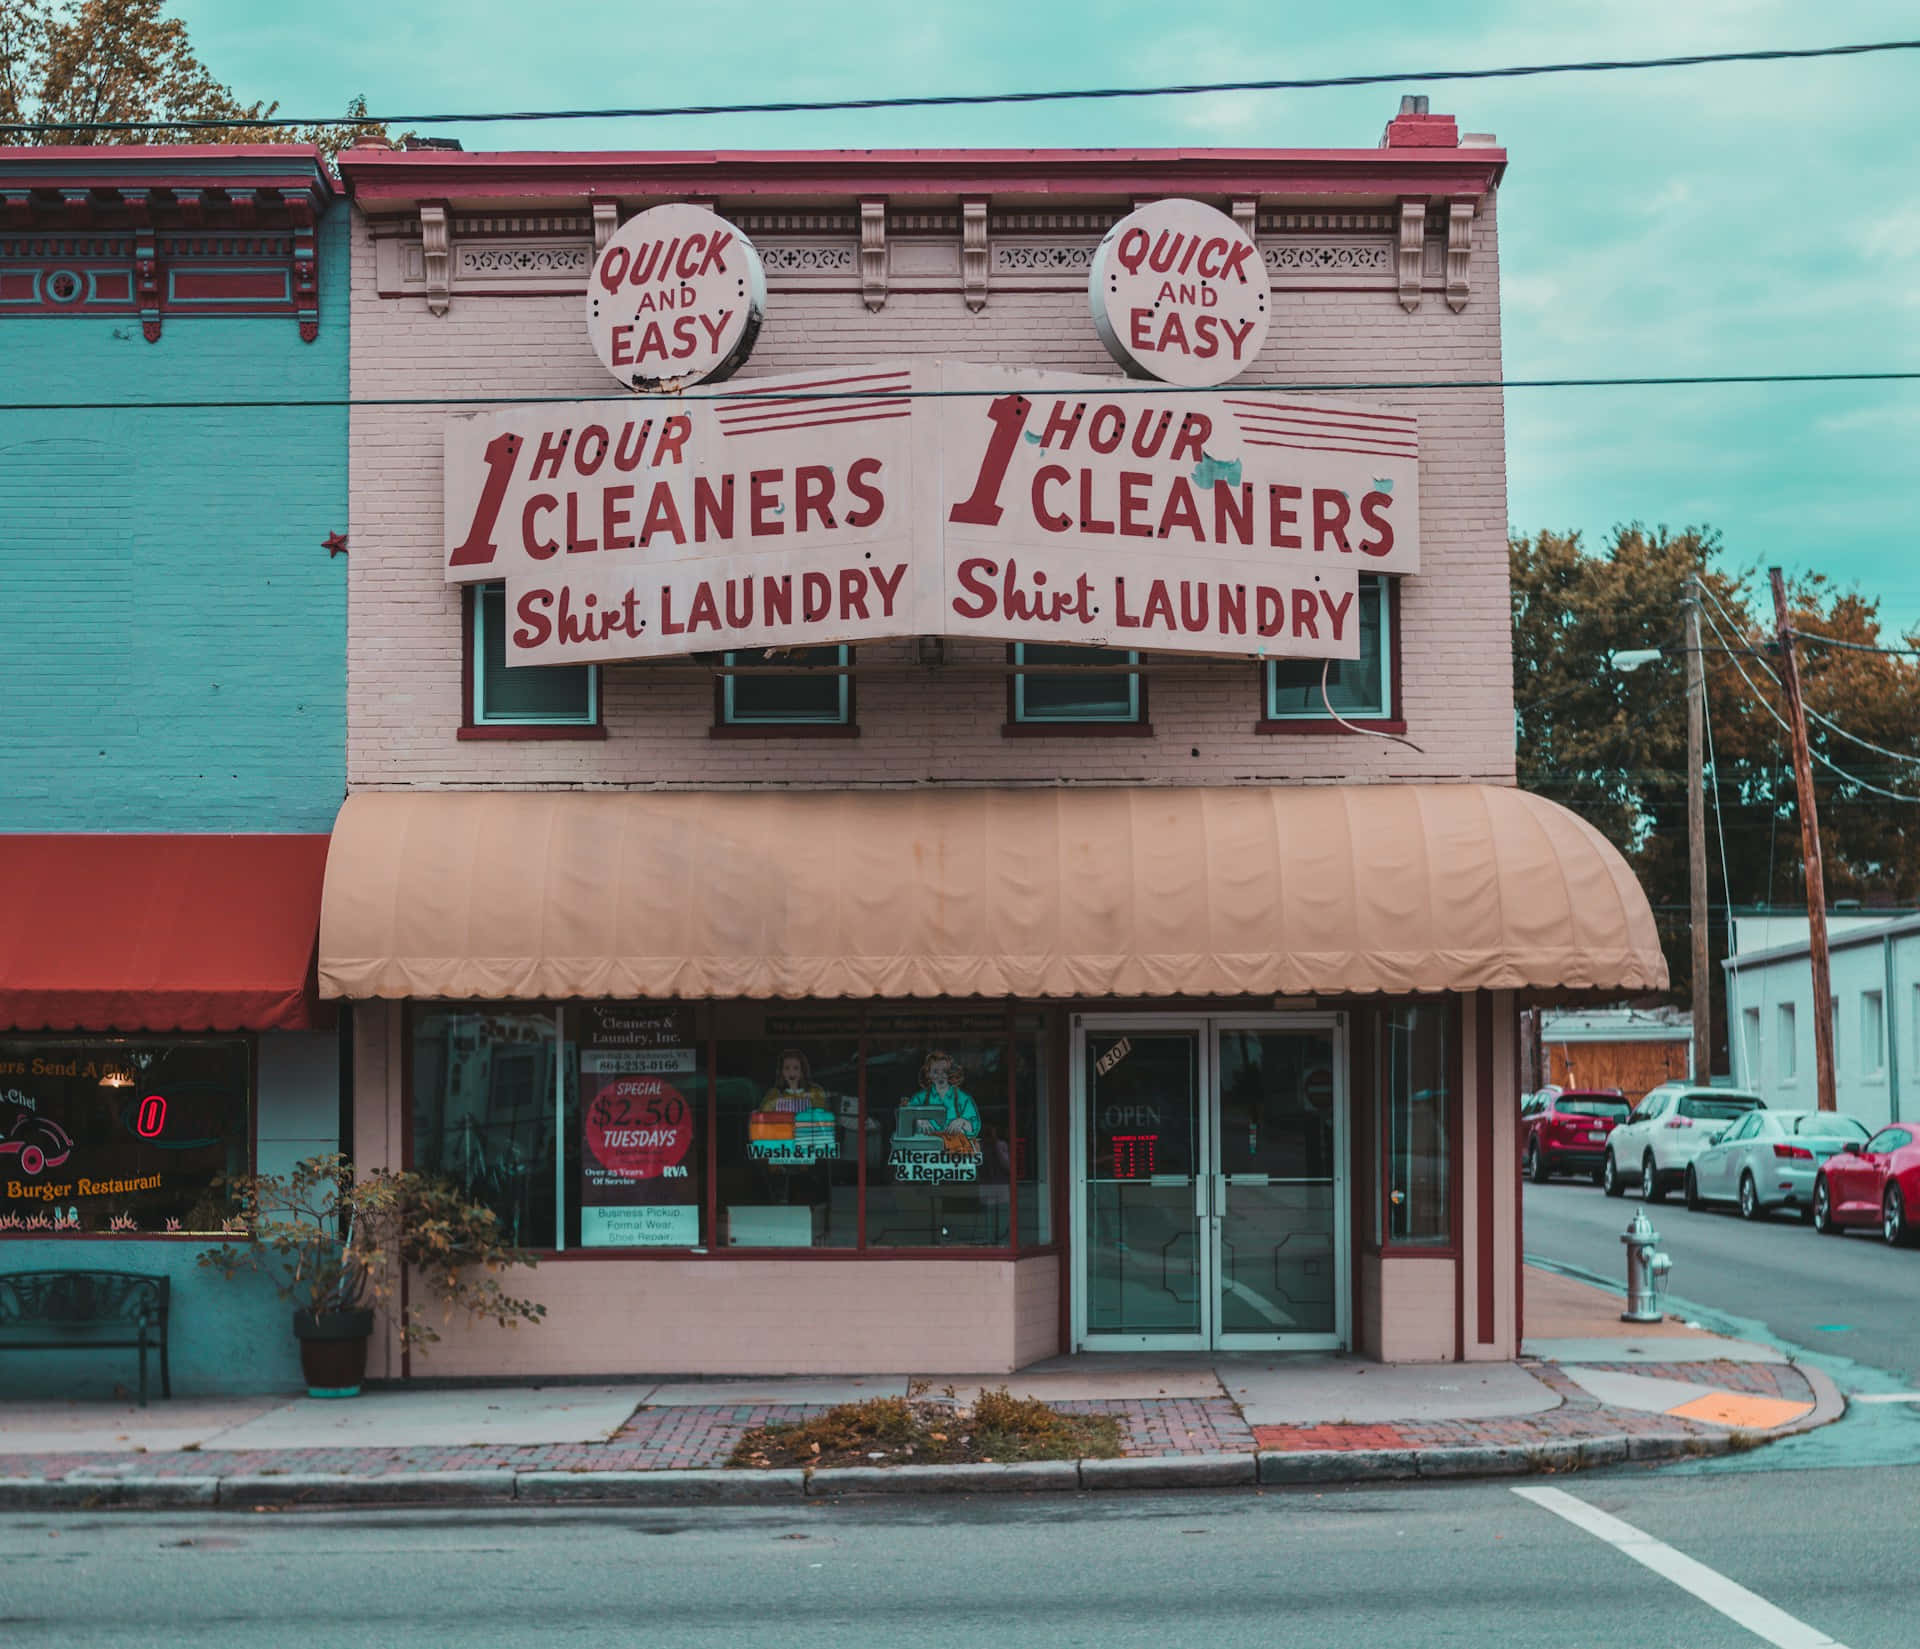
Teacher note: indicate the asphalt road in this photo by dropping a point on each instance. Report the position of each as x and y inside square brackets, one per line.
[1849, 1296]
[1428, 1565]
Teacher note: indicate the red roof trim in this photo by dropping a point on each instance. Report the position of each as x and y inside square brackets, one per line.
[393, 177]
[297, 168]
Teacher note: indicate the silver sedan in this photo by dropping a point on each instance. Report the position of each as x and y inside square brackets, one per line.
[1768, 1160]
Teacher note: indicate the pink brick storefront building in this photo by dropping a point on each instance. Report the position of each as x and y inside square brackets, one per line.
[940, 999]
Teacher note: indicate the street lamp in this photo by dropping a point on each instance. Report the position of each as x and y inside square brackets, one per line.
[1630, 659]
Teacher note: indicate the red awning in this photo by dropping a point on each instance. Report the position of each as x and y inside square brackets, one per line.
[159, 933]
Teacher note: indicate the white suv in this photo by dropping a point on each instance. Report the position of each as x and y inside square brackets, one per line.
[1668, 1129]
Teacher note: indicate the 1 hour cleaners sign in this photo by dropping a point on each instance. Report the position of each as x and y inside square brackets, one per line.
[851, 504]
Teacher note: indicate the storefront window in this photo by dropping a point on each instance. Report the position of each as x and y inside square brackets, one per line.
[943, 1121]
[787, 1141]
[120, 1136]
[485, 1113]
[940, 1094]
[1419, 1100]
[639, 1156]
[1032, 1154]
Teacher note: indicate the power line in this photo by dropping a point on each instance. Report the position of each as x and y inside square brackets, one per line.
[1713, 766]
[1825, 761]
[1119, 387]
[1855, 646]
[1816, 638]
[1825, 720]
[979, 99]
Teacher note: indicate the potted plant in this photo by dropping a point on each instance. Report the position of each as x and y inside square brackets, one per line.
[335, 1244]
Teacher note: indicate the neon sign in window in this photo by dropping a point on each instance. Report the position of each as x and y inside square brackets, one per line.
[1133, 1155]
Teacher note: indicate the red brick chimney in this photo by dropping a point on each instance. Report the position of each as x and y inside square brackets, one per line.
[1414, 128]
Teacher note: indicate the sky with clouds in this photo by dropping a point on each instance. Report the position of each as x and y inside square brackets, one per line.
[1741, 218]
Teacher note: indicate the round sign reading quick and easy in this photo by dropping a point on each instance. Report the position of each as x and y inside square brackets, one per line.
[676, 299]
[1179, 293]
[638, 1127]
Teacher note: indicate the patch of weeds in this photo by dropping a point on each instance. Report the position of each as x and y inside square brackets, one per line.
[899, 1431]
[1743, 1442]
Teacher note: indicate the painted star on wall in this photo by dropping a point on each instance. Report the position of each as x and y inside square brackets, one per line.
[336, 544]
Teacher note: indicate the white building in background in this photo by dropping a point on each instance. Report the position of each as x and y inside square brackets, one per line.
[1874, 964]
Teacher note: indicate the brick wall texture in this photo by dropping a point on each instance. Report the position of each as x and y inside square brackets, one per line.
[174, 631]
[934, 725]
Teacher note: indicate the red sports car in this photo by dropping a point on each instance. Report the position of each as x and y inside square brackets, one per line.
[1565, 1131]
[36, 1143]
[1873, 1184]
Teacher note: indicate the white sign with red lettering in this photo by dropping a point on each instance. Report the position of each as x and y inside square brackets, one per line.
[1179, 293]
[843, 506]
[676, 299]
[646, 529]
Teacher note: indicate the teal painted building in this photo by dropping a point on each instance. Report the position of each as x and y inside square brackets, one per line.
[173, 690]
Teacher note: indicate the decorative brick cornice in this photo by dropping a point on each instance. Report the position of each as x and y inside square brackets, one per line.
[397, 181]
[433, 242]
[873, 253]
[606, 221]
[973, 253]
[1459, 252]
[1413, 247]
[163, 232]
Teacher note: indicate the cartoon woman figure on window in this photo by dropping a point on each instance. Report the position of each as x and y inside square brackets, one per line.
[958, 1118]
[793, 1124]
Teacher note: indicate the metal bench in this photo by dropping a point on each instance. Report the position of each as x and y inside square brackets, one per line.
[87, 1310]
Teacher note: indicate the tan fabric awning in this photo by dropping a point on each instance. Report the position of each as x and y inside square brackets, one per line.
[1294, 890]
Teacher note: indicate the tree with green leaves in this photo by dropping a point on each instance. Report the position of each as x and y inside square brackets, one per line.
[1613, 746]
[78, 64]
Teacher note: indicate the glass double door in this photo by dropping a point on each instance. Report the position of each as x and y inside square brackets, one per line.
[1211, 1183]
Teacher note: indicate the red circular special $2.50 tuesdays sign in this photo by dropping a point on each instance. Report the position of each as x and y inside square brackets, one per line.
[638, 1127]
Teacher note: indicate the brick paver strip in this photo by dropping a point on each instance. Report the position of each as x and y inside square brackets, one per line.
[682, 1438]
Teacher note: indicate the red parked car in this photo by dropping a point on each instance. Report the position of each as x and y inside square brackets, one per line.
[1565, 1132]
[1873, 1184]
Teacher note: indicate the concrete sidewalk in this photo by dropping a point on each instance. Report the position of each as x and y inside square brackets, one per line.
[1590, 1390]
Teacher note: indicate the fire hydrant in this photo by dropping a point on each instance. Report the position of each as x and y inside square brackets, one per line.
[1647, 1269]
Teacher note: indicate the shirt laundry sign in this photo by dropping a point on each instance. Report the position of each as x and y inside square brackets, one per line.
[850, 504]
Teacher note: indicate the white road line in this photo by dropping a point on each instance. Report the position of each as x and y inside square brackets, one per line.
[1883, 1397]
[1712, 1588]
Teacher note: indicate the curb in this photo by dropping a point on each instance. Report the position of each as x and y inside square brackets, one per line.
[469, 1488]
[1041, 1476]
[719, 1487]
[1290, 1468]
[666, 1488]
[1828, 1403]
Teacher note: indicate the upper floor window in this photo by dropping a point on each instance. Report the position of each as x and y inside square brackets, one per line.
[801, 687]
[1362, 689]
[530, 696]
[1076, 687]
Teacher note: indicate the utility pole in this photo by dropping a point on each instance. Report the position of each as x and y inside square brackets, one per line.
[1697, 834]
[1810, 847]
